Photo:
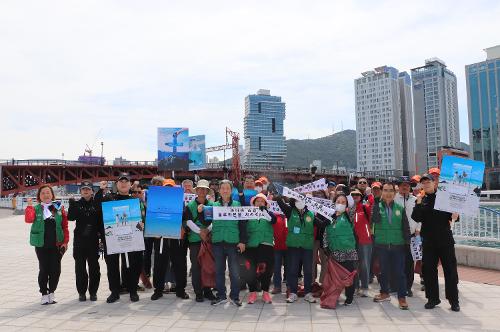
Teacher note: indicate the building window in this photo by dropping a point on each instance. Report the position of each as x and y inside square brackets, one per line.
[260, 107]
[273, 125]
[260, 142]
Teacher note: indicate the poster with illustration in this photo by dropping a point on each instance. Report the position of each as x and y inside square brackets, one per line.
[164, 213]
[122, 229]
[197, 156]
[459, 185]
[173, 149]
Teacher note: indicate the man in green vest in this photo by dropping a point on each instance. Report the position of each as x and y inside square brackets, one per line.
[229, 238]
[391, 235]
[197, 232]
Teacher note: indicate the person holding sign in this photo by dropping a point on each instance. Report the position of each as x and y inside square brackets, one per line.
[88, 225]
[259, 252]
[197, 232]
[300, 243]
[437, 245]
[229, 238]
[50, 236]
[391, 235]
[340, 243]
[133, 270]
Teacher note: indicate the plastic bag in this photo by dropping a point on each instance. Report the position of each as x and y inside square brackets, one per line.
[336, 279]
[207, 264]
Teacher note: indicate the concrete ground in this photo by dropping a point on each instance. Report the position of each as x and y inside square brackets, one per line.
[20, 309]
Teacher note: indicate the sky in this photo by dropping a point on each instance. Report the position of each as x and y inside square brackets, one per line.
[77, 73]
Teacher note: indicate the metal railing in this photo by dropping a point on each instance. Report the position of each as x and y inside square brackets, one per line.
[483, 227]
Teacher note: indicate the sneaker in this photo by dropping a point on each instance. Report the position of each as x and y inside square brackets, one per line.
[309, 298]
[217, 301]
[182, 295]
[113, 297]
[252, 297]
[363, 292]
[199, 298]
[276, 290]
[348, 302]
[382, 297]
[409, 293]
[44, 300]
[455, 307]
[431, 304]
[134, 297]
[52, 298]
[82, 298]
[140, 288]
[236, 302]
[156, 295]
[402, 303]
[266, 297]
[209, 295]
[93, 297]
[292, 298]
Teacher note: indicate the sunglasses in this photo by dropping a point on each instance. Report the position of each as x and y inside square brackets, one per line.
[362, 182]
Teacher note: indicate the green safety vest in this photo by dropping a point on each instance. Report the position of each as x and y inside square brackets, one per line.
[300, 232]
[392, 233]
[37, 233]
[225, 230]
[340, 235]
[193, 208]
[259, 231]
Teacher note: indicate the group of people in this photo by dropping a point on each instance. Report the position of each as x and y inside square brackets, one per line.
[370, 232]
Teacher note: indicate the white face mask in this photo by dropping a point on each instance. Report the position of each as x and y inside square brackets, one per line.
[264, 186]
[258, 189]
[340, 208]
[300, 204]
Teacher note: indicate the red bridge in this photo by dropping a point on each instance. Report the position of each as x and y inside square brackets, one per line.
[24, 175]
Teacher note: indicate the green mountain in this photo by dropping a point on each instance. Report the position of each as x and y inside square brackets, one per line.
[339, 147]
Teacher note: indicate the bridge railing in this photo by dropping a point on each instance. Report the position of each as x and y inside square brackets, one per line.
[484, 227]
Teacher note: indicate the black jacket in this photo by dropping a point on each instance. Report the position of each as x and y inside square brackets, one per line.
[436, 230]
[88, 218]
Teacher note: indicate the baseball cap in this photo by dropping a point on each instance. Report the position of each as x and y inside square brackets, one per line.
[377, 184]
[86, 184]
[427, 177]
[124, 176]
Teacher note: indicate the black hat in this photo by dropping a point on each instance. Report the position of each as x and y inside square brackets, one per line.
[86, 184]
[125, 176]
[404, 179]
[427, 177]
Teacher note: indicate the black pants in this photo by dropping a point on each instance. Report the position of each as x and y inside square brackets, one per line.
[350, 266]
[87, 256]
[131, 275]
[431, 256]
[259, 267]
[49, 264]
[176, 252]
[194, 250]
[148, 244]
[409, 268]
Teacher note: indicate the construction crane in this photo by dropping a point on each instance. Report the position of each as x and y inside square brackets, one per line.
[234, 145]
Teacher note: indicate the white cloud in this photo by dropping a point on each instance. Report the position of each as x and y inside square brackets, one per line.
[69, 69]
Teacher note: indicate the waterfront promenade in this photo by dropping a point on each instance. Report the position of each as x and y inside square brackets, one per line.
[20, 309]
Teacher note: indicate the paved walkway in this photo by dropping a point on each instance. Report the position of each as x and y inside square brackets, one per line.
[20, 309]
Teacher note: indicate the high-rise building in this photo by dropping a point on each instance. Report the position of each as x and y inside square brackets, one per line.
[407, 132]
[435, 108]
[263, 131]
[378, 121]
[483, 88]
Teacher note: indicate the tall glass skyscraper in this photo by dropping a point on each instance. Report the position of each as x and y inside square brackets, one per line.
[483, 88]
[263, 131]
[435, 108]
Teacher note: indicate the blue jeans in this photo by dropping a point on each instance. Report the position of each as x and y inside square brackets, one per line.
[364, 263]
[295, 257]
[279, 261]
[392, 260]
[223, 251]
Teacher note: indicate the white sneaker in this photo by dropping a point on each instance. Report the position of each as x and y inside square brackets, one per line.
[309, 298]
[363, 293]
[44, 300]
[292, 298]
[52, 298]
